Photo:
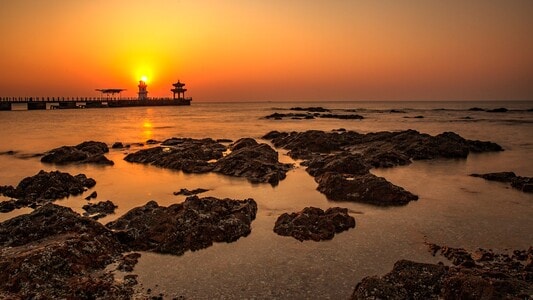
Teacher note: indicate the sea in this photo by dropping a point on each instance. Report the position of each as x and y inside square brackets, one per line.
[453, 209]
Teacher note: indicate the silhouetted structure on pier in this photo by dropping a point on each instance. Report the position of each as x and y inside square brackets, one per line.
[42, 103]
[143, 93]
[178, 89]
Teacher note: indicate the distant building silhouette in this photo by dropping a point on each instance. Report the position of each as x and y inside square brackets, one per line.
[178, 89]
[143, 93]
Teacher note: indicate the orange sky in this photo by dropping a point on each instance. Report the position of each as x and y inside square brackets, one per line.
[276, 50]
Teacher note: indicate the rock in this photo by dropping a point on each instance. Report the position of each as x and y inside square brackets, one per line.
[498, 110]
[128, 262]
[185, 154]
[86, 152]
[8, 205]
[524, 184]
[340, 161]
[117, 145]
[396, 111]
[366, 188]
[224, 141]
[314, 224]
[100, 209]
[498, 277]
[192, 225]
[407, 280]
[476, 109]
[342, 117]
[56, 253]
[46, 187]
[256, 162]
[343, 163]
[93, 195]
[311, 109]
[152, 142]
[187, 192]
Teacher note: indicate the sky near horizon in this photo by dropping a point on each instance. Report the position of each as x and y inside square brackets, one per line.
[243, 50]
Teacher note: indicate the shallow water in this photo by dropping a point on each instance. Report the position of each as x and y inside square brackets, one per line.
[454, 209]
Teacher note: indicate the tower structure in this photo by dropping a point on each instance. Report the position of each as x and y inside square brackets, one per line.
[178, 89]
[143, 93]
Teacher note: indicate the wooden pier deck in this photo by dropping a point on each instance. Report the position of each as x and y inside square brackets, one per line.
[43, 103]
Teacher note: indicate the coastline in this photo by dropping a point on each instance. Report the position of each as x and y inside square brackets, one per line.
[402, 231]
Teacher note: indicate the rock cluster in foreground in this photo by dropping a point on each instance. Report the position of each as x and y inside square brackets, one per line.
[84, 153]
[479, 275]
[192, 225]
[340, 161]
[524, 184]
[314, 224]
[54, 252]
[249, 159]
[42, 188]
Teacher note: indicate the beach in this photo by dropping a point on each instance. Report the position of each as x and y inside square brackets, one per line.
[452, 209]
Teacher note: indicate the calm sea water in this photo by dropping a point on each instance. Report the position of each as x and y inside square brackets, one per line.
[454, 209]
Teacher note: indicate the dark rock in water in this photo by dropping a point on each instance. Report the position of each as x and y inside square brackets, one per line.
[86, 152]
[278, 116]
[379, 158]
[256, 162]
[46, 187]
[117, 145]
[314, 224]
[343, 174]
[524, 184]
[476, 109]
[100, 209]
[8, 205]
[10, 152]
[224, 141]
[498, 110]
[188, 155]
[342, 117]
[187, 192]
[343, 163]
[93, 195]
[407, 280]
[396, 111]
[311, 109]
[487, 276]
[152, 142]
[56, 253]
[192, 225]
[128, 262]
[366, 188]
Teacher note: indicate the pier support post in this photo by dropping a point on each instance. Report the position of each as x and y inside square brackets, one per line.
[36, 105]
[5, 106]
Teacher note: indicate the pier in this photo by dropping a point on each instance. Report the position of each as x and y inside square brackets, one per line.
[103, 101]
[43, 103]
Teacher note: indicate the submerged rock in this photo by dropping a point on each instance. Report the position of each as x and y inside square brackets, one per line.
[46, 187]
[524, 184]
[489, 276]
[314, 224]
[192, 225]
[187, 192]
[54, 252]
[256, 162]
[185, 154]
[366, 188]
[340, 161]
[311, 109]
[100, 209]
[86, 152]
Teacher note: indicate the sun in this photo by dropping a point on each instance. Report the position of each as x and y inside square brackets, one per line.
[144, 78]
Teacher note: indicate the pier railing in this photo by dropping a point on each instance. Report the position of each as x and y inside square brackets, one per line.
[76, 99]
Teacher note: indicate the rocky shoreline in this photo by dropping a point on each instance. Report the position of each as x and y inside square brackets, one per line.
[482, 274]
[54, 252]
